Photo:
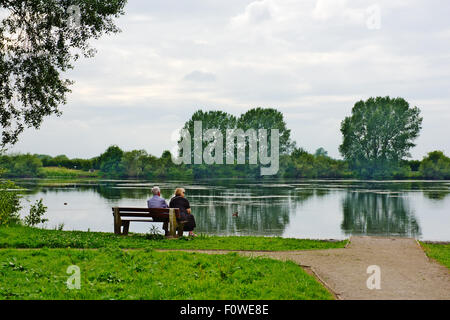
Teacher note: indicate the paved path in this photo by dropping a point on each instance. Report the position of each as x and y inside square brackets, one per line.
[406, 272]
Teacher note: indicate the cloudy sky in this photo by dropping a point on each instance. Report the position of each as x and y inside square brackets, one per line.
[311, 59]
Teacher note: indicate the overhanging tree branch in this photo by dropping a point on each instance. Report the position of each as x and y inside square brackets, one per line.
[38, 41]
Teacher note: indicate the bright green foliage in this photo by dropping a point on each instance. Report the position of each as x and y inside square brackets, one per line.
[144, 274]
[9, 203]
[64, 173]
[435, 166]
[378, 135]
[35, 216]
[39, 41]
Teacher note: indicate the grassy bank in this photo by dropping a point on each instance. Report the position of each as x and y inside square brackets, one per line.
[438, 252]
[64, 173]
[145, 274]
[26, 237]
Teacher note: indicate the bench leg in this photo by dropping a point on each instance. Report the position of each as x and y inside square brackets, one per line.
[126, 227]
[117, 221]
[180, 230]
[172, 223]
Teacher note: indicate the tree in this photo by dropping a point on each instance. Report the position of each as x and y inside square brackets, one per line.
[268, 118]
[435, 166]
[40, 40]
[26, 165]
[321, 152]
[20, 165]
[133, 162]
[257, 118]
[379, 134]
[60, 161]
[301, 164]
[110, 162]
[210, 120]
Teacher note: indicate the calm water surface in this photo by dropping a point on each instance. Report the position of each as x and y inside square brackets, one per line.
[299, 209]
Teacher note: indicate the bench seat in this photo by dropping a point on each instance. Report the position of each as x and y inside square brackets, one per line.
[124, 215]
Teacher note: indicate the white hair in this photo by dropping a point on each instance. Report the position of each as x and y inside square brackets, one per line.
[156, 190]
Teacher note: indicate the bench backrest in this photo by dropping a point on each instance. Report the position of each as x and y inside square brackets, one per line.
[145, 212]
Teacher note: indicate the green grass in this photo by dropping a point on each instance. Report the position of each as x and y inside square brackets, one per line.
[60, 172]
[438, 252]
[145, 274]
[113, 273]
[26, 237]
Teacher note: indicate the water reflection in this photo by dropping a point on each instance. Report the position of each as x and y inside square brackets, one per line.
[436, 194]
[316, 209]
[263, 218]
[378, 214]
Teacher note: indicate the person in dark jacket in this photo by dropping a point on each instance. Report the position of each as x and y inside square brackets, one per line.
[180, 201]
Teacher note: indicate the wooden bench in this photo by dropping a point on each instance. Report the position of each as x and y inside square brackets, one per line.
[172, 216]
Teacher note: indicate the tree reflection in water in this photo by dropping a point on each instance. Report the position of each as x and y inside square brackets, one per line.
[259, 211]
[378, 214]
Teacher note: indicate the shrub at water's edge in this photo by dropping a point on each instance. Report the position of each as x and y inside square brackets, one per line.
[9, 203]
[36, 214]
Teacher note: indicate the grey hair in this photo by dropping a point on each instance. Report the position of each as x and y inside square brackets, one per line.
[156, 190]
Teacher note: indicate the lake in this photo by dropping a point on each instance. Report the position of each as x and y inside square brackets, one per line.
[317, 209]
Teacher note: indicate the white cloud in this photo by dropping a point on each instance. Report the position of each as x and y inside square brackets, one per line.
[325, 9]
[255, 13]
